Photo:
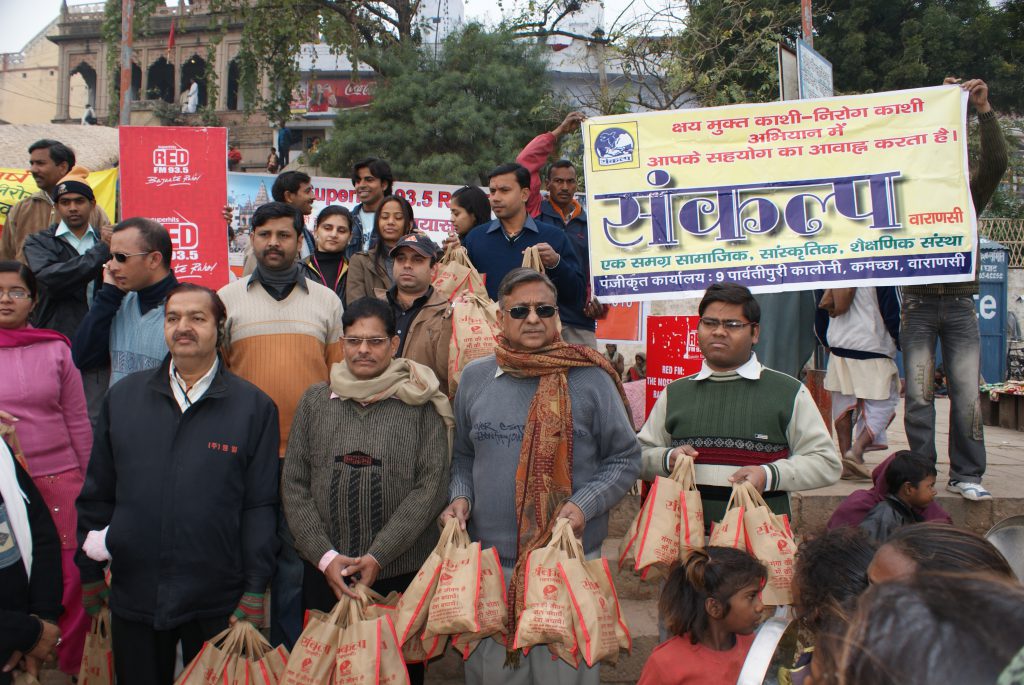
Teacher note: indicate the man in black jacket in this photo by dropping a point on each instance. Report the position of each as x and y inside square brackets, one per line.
[67, 259]
[181, 496]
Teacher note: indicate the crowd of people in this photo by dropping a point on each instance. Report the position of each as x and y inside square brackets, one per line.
[180, 450]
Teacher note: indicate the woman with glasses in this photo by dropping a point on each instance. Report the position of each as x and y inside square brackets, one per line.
[42, 396]
[327, 264]
[373, 270]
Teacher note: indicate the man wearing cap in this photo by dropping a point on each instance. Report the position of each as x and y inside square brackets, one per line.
[423, 326]
[68, 257]
[49, 162]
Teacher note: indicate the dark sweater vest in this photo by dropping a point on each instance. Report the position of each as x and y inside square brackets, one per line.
[733, 421]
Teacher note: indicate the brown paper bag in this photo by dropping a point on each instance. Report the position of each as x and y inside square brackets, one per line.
[475, 333]
[491, 607]
[415, 649]
[367, 648]
[414, 603]
[313, 658]
[453, 608]
[456, 274]
[97, 658]
[651, 545]
[595, 614]
[23, 678]
[691, 511]
[729, 531]
[532, 260]
[770, 540]
[547, 618]
[208, 668]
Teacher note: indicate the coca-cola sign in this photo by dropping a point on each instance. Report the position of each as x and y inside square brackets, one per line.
[327, 96]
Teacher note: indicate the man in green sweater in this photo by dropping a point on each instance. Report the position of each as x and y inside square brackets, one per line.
[739, 420]
[944, 312]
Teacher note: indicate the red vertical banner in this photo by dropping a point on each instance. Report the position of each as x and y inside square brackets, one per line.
[178, 176]
[672, 352]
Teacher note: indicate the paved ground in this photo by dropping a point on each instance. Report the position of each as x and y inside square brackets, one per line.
[1004, 478]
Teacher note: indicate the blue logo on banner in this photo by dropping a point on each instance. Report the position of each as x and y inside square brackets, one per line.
[614, 146]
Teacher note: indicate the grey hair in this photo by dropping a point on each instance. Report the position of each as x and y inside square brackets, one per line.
[517, 277]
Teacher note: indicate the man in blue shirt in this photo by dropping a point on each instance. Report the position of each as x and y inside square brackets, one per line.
[497, 248]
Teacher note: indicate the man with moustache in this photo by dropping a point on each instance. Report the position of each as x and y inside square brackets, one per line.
[373, 180]
[49, 162]
[180, 497]
[283, 333]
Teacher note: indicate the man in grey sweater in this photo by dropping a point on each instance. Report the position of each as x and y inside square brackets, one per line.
[495, 469]
[366, 470]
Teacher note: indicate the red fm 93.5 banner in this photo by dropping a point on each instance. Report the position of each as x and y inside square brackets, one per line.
[178, 176]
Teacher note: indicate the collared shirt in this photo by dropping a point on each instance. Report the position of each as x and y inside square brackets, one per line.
[81, 245]
[405, 317]
[496, 225]
[186, 397]
[751, 370]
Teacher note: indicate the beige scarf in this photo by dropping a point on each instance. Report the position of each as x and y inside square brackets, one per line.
[405, 380]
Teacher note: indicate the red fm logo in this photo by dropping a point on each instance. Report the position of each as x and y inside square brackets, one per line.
[446, 577]
[184, 233]
[170, 155]
[345, 667]
[307, 663]
[783, 545]
[550, 592]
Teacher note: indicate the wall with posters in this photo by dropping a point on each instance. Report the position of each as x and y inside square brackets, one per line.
[178, 176]
[246, 192]
[851, 191]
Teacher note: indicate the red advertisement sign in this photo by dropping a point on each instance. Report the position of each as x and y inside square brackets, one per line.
[178, 176]
[328, 95]
[672, 352]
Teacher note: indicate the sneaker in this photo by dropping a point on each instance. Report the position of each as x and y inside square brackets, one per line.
[972, 491]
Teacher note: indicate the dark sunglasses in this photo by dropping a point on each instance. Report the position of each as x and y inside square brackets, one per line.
[122, 257]
[544, 311]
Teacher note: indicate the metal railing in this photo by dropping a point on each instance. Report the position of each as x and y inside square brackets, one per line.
[1006, 232]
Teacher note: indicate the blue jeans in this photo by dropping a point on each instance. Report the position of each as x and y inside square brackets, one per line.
[952, 321]
[286, 590]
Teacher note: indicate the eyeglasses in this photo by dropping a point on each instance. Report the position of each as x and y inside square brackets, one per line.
[731, 325]
[372, 342]
[122, 257]
[544, 311]
[15, 294]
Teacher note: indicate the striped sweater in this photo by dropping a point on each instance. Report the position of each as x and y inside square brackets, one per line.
[281, 347]
[365, 480]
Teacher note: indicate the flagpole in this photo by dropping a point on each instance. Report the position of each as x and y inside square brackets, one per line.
[127, 9]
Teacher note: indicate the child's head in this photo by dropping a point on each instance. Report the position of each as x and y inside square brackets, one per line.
[934, 629]
[719, 584]
[831, 573]
[911, 477]
[936, 547]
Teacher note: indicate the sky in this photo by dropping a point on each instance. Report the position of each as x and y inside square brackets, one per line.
[20, 25]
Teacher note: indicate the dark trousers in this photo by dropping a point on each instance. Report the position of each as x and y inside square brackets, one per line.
[318, 595]
[145, 656]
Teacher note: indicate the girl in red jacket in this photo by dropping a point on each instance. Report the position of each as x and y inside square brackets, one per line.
[712, 603]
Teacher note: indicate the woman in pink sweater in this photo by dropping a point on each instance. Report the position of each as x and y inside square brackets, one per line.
[41, 394]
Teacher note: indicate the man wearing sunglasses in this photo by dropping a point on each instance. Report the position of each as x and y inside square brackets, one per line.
[125, 327]
[739, 420]
[541, 432]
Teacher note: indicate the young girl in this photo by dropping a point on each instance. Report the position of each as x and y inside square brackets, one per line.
[370, 271]
[712, 603]
[327, 265]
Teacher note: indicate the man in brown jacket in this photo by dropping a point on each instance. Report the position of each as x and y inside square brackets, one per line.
[424, 326]
[49, 162]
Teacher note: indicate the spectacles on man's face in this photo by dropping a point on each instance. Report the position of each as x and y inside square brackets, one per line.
[731, 325]
[15, 294]
[521, 311]
[122, 257]
[354, 342]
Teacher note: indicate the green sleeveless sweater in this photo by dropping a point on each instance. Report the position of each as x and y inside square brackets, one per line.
[733, 421]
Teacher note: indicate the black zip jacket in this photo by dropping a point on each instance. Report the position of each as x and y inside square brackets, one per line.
[191, 498]
[63, 277]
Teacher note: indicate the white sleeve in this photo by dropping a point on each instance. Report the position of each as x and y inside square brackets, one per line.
[813, 460]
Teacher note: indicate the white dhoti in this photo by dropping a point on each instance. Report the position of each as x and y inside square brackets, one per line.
[868, 387]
